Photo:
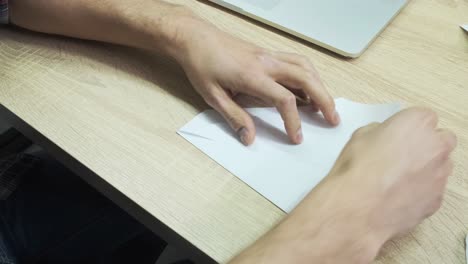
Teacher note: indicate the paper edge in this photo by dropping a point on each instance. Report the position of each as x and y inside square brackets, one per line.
[399, 104]
[185, 135]
[464, 27]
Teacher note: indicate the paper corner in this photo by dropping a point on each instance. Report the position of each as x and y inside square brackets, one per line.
[465, 27]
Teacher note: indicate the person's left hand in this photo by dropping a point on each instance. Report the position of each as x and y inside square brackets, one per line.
[220, 66]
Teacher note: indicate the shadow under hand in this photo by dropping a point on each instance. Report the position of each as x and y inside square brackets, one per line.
[264, 131]
[165, 73]
[314, 119]
[307, 115]
[270, 133]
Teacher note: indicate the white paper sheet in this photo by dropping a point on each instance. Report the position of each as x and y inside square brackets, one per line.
[465, 27]
[282, 172]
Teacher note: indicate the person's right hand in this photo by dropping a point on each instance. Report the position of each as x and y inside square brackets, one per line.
[397, 169]
[387, 179]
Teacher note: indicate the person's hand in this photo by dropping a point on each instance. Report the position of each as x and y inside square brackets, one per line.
[220, 66]
[399, 169]
[388, 178]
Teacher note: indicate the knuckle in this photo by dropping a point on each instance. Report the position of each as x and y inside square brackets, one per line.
[299, 60]
[437, 204]
[309, 77]
[365, 129]
[359, 131]
[262, 52]
[449, 141]
[303, 61]
[287, 101]
[443, 172]
[330, 102]
[446, 146]
[421, 110]
[313, 73]
[262, 55]
[250, 79]
[444, 150]
[373, 125]
[430, 116]
[441, 176]
[422, 114]
[235, 120]
[309, 66]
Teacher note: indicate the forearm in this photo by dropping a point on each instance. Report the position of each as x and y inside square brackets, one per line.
[322, 229]
[286, 245]
[147, 24]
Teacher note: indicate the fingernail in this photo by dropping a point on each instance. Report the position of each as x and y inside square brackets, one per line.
[243, 135]
[337, 118]
[299, 136]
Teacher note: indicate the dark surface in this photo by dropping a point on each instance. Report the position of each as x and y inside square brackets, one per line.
[104, 188]
[54, 217]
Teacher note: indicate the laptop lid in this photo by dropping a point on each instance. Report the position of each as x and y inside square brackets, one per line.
[346, 27]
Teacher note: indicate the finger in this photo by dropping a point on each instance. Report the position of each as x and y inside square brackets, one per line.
[300, 61]
[300, 94]
[244, 100]
[294, 76]
[303, 99]
[444, 170]
[284, 101]
[427, 116]
[311, 105]
[448, 140]
[237, 118]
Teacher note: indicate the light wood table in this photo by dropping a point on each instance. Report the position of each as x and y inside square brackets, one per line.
[111, 113]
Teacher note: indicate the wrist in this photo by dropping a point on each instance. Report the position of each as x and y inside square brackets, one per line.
[176, 32]
[158, 27]
[335, 226]
[179, 28]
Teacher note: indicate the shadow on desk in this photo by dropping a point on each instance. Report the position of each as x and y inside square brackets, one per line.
[144, 65]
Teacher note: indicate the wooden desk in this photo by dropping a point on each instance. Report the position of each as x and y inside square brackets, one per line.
[112, 112]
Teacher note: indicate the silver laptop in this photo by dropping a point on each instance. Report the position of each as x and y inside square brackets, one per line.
[346, 27]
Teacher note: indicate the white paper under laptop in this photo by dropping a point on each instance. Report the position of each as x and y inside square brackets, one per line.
[346, 27]
[282, 172]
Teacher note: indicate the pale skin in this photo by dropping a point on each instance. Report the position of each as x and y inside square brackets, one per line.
[389, 177]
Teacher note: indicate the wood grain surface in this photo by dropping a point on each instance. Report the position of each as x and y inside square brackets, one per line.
[116, 111]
